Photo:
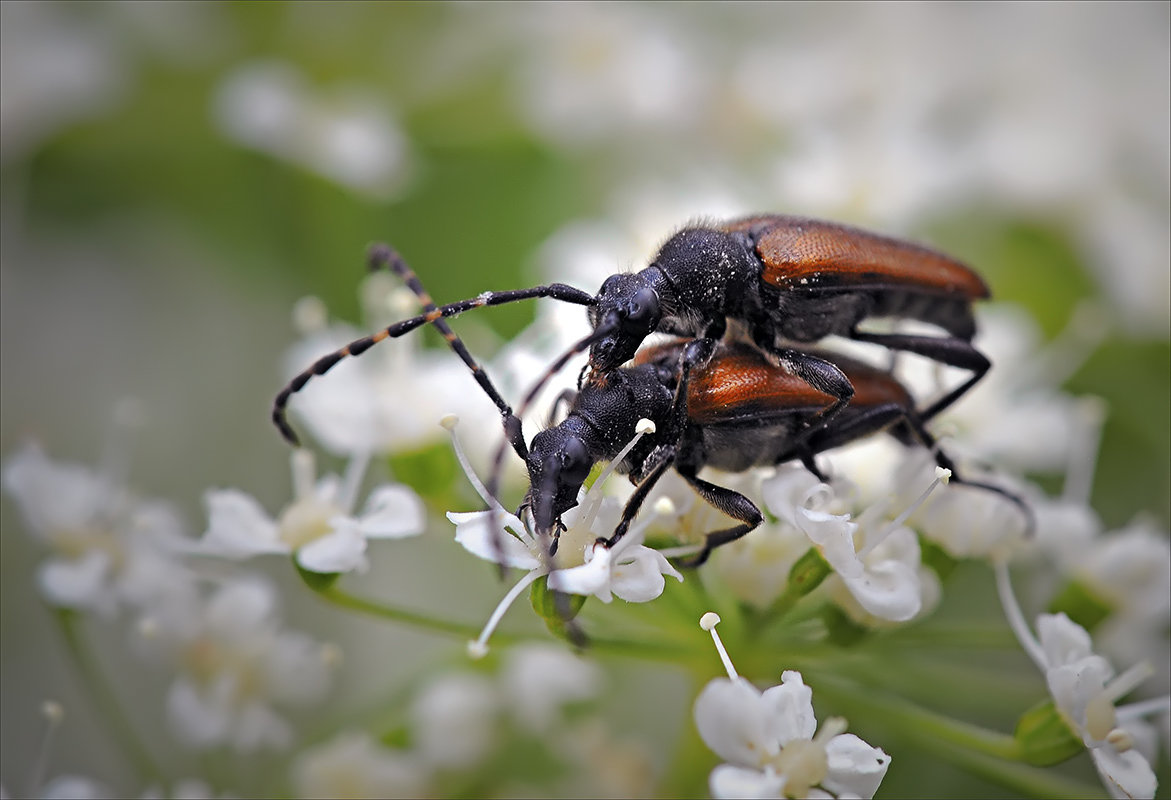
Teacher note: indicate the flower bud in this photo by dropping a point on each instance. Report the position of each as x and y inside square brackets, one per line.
[1045, 737]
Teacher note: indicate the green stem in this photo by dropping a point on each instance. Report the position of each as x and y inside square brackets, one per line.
[930, 724]
[100, 689]
[346, 600]
[979, 750]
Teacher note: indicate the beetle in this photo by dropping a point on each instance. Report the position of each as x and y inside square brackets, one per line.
[771, 279]
[739, 411]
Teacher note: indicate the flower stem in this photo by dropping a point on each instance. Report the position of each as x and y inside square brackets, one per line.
[990, 754]
[346, 600]
[104, 697]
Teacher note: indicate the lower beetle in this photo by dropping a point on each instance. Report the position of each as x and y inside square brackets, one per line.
[739, 411]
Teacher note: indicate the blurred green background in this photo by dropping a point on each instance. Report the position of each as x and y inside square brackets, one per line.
[174, 176]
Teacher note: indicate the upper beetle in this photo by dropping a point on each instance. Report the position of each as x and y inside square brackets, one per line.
[782, 279]
[775, 279]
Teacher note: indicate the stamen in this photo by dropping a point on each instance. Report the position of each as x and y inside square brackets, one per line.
[331, 655]
[352, 482]
[309, 315]
[942, 475]
[1145, 708]
[114, 466]
[1120, 739]
[449, 423]
[664, 507]
[829, 729]
[1016, 619]
[593, 498]
[1057, 361]
[1083, 451]
[708, 622]
[680, 551]
[479, 648]
[1123, 684]
[54, 713]
[304, 472]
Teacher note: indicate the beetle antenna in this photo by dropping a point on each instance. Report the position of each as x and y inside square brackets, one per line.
[381, 256]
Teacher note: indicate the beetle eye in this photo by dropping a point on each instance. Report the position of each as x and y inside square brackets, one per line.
[644, 309]
[575, 463]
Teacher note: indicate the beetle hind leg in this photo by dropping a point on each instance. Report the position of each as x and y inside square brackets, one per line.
[952, 351]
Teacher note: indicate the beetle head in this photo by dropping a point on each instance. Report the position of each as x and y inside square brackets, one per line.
[558, 462]
[627, 311]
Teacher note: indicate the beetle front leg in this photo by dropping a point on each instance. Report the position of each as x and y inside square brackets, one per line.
[665, 457]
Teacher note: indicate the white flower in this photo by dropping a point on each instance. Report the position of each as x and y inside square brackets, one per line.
[966, 521]
[319, 526]
[234, 662]
[1131, 570]
[108, 548]
[879, 566]
[455, 720]
[768, 739]
[353, 765]
[589, 75]
[538, 679]
[346, 135]
[1085, 689]
[57, 69]
[582, 565]
[75, 787]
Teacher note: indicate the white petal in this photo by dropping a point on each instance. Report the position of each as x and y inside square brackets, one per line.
[296, 670]
[74, 787]
[343, 550]
[471, 531]
[455, 721]
[56, 496]
[258, 727]
[392, 512]
[789, 709]
[238, 526]
[539, 679]
[888, 589]
[82, 583]
[1062, 639]
[195, 721]
[1125, 775]
[731, 720]
[854, 767]
[638, 577]
[591, 578]
[241, 609]
[354, 763]
[729, 782]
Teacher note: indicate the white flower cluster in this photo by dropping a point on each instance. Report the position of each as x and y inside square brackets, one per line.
[233, 663]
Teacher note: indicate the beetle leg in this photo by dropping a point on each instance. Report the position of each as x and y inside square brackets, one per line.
[732, 503]
[914, 423]
[951, 351]
[826, 378]
[696, 355]
[666, 457]
[566, 398]
[864, 423]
